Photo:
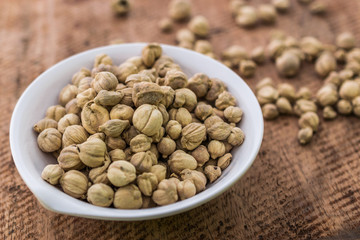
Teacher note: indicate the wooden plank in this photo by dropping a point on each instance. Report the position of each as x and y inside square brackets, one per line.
[290, 192]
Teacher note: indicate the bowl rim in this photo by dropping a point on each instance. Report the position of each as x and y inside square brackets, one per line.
[58, 206]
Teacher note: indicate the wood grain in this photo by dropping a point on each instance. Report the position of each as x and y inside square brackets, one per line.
[290, 192]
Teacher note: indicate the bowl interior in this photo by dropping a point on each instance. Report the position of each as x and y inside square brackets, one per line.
[43, 92]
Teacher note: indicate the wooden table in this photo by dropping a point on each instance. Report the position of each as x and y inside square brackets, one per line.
[290, 192]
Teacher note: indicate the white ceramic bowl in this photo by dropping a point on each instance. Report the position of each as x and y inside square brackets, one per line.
[43, 92]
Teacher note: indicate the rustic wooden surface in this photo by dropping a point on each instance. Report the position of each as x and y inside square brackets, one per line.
[290, 192]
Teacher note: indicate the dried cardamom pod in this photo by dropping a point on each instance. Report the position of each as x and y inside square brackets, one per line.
[93, 116]
[92, 152]
[114, 128]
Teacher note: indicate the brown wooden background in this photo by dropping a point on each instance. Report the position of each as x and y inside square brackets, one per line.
[290, 192]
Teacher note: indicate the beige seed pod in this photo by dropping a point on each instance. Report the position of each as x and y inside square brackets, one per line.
[126, 69]
[192, 135]
[121, 173]
[356, 106]
[303, 93]
[159, 135]
[216, 149]
[137, 62]
[173, 129]
[246, 17]
[129, 134]
[186, 98]
[74, 134]
[235, 5]
[197, 177]
[186, 189]
[203, 46]
[99, 174]
[122, 112]
[236, 137]
[84, 72]
[283, 105]
[147, 119]
[150, 53]
[318, 7]
[263, 83]
[311, 47]
[309, 119]
[160, 171]
[115, 143]
[224, 161]
[267, 94]
[225, 100]
[166, 25]
[102, 59]
[288, 64]
[281, 5]
[346, 40]
[49, 140]
[212, 172]
[329, 113]
[349, 90]
[247, 68]
[287, 90]
[203, 110]
[146, 93]
[92, 152]
[68, 120]
[187, 45]
[69, 158]
[147, 183]
[84, 84]
[166, 146]
[199, 84]
[85, 96]
[143, 161]
[140, 143]
[179, 9]
[68, 93]
[267, 13]
[180, 160]
[108, 98]
[235, 54]
[55, 112]
[303, 106]
[106, 68]
[327, 95]
[44, 124]
[185, 36]
[147, 202]
[114, 127]
[52, 173]
[344, 107]
[104, 81]
[120, 7]
[117, 155]
[305, 135]
[181, 115]
[353, 66]
[325, 64]
[128, 197]
[100, 194]
[168, 97]
[340, 55]
[199, 25]
[175, 79]
[166, 193]
[100, 136]
[353, 54]
[219, 131]
[75, 184]
[93, 116]
[72, 107]
[258, 55]
[201, 155]
[137, 78]
[216, 88]
[270, 111]
[210, 121]
[275, 48]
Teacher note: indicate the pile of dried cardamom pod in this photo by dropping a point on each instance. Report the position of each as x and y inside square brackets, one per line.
[140, 134]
